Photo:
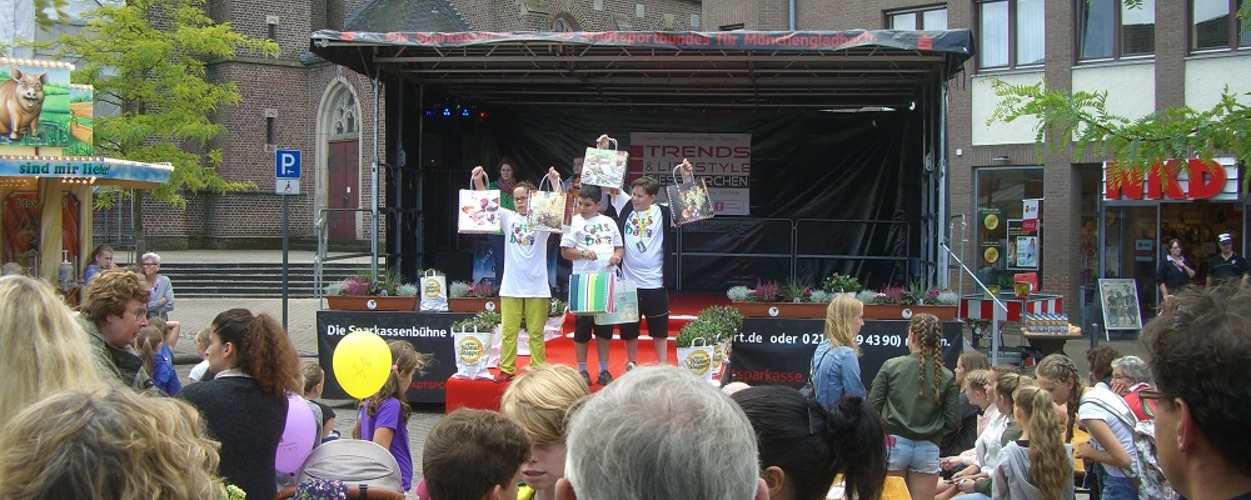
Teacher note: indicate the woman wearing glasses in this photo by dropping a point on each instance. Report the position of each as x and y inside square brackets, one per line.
[160, 292]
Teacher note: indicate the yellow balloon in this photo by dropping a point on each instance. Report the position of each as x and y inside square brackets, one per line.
[362, 363]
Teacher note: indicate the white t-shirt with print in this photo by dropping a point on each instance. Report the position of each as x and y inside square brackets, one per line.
[598, 234]
[525, 257]
[1089, 410]
[644, 238]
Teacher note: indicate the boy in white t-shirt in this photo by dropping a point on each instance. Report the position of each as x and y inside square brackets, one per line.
[524, 289]
[593, 243]
[647, 233]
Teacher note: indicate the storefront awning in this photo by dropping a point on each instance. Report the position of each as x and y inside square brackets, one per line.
[24, 171]
[744, 69]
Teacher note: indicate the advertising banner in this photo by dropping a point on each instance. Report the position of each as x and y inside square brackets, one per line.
[723, 161]
[779, 351]
[429, 333]
[37, 107]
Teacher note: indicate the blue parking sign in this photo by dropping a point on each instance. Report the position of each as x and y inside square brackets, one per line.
[287, 164]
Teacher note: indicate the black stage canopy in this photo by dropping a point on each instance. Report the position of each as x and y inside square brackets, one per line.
[804, 69]
[846, 133]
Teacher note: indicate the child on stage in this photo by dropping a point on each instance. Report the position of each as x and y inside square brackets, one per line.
[648, 236]
[594, 245]
[524, 290]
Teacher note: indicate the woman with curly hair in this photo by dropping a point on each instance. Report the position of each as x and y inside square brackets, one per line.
[45, 349]
[1038, 465]
[245, 405]
[835, 367]
[917, 399]
[540, 401]
[383, 417]
[109, 443]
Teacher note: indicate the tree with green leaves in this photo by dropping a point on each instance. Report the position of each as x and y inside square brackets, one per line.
[150, 58]
[1136, 145]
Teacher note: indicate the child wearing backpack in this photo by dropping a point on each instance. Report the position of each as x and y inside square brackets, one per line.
[1038, 465]
[1107, 419]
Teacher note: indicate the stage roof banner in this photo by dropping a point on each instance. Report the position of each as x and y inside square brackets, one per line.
[954, 41]
[761, 69]
[86, 170]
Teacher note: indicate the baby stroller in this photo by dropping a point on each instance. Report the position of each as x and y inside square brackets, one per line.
[347, 469]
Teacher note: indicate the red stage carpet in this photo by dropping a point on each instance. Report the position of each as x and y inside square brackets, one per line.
[485, 394]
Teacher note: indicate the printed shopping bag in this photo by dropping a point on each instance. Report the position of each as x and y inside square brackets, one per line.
[591, 293]
[472, 349]
[479, 211]
[625, 304]
[547, 209]
[605, 167]
[688, 202]
[697, 359]
[433, 291]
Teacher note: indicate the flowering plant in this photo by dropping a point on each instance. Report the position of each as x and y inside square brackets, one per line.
[480, 290]
[388, 283]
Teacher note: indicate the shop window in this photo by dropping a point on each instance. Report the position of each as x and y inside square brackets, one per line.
[1214, 24]
[1003, 245]
[1011, 33]
[1111, 29]
[933, 18]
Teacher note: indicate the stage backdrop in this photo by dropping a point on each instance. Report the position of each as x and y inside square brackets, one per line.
[779, 351]
[429, 333]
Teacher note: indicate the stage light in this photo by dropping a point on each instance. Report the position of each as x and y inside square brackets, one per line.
[464, 112]
[447, 111]
[482, 115]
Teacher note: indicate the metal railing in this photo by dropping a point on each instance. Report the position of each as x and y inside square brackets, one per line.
[999, 305]
[799, 241]
[321, 228]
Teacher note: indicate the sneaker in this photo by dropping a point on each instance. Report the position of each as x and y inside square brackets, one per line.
[586, 376]
[504, 377]
[604, 378]
[630, 366]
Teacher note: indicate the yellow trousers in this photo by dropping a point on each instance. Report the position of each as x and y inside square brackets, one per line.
[512, 309]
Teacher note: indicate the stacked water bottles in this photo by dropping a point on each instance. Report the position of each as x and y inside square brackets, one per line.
[1047, 324]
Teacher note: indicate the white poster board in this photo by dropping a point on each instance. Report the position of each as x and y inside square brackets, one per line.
[1119, 297]
[722, 160]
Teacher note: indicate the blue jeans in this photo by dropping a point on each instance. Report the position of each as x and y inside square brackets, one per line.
[1118, 488]
[915, 456]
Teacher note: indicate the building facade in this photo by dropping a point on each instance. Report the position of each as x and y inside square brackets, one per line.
[1165, 54]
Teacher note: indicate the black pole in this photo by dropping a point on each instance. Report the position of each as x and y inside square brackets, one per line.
[285, 211]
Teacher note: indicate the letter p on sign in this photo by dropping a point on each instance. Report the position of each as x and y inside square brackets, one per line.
[287, 164]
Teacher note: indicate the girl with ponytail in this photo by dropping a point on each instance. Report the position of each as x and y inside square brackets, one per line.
[803, 446]
[975, 480]
[245, 405]
[1105, 416]
[1038, 465]
[917, 399]
[383, 417]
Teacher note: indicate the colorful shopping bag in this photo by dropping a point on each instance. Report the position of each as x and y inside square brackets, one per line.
[591, 293]
[472, 353]
[688, 202]
[547, 209]
[625, 304]
[479, 211]
[605, 167]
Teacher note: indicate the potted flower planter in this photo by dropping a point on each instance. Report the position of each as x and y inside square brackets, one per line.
[370, 303]
[473, 304]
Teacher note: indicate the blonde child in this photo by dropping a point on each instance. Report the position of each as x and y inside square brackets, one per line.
[201, 372]
[383, 417]
[539, 401]
[1038, 466]
[314, 383]
[157, 359]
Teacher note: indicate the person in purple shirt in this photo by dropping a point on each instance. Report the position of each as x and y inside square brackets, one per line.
[384, 416]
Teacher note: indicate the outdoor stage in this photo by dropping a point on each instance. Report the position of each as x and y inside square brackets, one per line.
[768, 351]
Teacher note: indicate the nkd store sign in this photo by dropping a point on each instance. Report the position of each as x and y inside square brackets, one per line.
[1211, 180]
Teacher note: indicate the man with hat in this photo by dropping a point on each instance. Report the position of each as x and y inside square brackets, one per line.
[1227, 266]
